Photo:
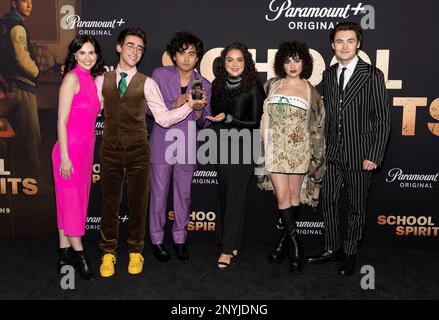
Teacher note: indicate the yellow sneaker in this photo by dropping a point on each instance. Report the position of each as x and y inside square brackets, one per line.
[107, 266]
[136, 263]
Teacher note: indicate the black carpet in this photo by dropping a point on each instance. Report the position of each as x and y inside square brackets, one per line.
[28, 271]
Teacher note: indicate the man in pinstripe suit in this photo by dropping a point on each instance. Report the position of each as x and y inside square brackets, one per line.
[358, 127]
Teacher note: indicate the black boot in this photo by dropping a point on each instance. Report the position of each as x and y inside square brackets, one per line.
[82, 265]
[289, 217]
[278, 254]
[64, 257]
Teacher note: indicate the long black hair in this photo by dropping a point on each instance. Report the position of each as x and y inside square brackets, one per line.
[249, 76]
[76, 45]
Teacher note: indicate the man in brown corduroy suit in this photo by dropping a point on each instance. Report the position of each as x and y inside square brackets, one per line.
[126, 94]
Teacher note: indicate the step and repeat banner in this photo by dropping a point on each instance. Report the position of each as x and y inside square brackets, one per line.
[399, 38]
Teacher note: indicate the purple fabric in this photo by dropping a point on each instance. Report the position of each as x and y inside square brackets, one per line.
[168, 80]
[182, 181]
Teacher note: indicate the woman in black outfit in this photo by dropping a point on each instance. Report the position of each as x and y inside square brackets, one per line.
[237, 98]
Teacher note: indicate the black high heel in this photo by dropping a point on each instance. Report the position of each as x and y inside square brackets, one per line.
[82, 265]
[225, 265]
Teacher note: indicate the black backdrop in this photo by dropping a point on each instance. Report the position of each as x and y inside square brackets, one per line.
[400, 38]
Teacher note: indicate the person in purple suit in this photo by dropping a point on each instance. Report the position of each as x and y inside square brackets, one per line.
[176, 83]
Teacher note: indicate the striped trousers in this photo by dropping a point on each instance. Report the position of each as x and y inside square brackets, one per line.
[357, 184]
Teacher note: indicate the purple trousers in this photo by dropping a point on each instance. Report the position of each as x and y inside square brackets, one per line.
[182, 183]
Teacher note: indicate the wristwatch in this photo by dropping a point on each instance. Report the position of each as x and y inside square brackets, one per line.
[229, 118]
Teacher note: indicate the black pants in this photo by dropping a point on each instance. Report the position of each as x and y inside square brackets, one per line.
[235, 170]
[233, 180]
[357, 184]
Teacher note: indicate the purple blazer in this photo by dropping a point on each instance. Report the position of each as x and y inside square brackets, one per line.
[168, 80]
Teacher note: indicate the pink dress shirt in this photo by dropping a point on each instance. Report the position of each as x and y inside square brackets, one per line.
[154, 98]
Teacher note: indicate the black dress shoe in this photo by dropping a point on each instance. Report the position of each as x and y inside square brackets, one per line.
[326, 256]
[181, 251]
[347, 266]
[160, 252]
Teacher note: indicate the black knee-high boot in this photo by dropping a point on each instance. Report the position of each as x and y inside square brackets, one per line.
[289, 217]
[279, 252]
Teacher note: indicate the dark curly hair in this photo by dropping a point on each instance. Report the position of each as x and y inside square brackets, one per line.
[181, 41]
[76, 44]
[249, 76]
[292, 49]
[345, 26]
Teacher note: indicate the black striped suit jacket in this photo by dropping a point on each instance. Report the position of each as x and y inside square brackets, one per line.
[358, 121]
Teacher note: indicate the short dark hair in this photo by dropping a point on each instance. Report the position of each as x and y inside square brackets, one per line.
[131, 32]
[292, 49]
[347, 25]
[181, 41]
[75, 45]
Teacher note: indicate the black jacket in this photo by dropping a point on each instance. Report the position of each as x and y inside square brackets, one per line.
[359, 121]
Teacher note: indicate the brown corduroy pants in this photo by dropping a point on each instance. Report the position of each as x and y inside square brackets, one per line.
[132, 162]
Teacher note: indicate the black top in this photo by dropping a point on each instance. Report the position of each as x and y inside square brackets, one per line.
[245, 108]
[183, 90]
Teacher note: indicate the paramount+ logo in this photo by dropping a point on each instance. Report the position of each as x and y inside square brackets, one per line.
[198, 220]
[410, 226]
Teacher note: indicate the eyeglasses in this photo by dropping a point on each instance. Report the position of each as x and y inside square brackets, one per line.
[132, 47]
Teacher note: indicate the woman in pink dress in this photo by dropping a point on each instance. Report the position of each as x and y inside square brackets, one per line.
[72, 155]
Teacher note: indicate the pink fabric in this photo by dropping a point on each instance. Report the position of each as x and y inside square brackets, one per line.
[72, 195]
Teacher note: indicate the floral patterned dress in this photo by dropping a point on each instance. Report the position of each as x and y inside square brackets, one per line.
[288, 140]
[282, 146]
